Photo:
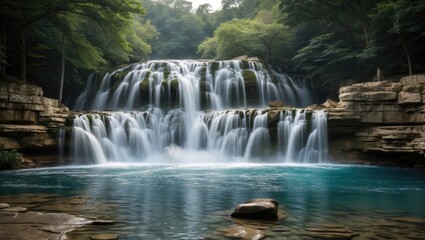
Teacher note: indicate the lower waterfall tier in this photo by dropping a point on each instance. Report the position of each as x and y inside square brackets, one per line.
[271, 135]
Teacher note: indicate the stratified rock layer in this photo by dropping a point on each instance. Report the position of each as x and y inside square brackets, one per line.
[380, 120]
[29, 121]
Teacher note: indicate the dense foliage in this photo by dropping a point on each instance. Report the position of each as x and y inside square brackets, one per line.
[45, 41]
[54, 41]
[9, 159]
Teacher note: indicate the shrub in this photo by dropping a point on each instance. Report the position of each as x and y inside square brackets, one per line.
[9, 159]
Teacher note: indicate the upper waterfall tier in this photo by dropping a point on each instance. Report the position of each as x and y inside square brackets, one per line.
[193, 86]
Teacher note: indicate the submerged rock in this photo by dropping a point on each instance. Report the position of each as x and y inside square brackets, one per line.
[261, 208]
[105, 237]
[246, 233]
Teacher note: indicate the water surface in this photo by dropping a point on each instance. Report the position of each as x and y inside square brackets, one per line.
[190, 201]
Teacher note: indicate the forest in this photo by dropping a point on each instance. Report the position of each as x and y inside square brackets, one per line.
[57, 43]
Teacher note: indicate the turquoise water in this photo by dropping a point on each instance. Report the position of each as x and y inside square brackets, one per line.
[193, 201]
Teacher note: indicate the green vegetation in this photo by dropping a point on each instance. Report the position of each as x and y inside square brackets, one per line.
[9, 159]
[56, 43]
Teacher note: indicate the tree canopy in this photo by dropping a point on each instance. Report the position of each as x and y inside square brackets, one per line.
[51, 42]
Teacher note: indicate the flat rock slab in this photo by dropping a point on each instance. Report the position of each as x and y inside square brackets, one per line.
[104, 237]
[102, 222]
[246, 233]
[4, 205]
[15, 209]
[36, 225]
[265, 209]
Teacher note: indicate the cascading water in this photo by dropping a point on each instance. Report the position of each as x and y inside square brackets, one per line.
[166, 99]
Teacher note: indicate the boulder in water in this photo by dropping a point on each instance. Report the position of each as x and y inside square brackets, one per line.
[275, 104]
[260, 208]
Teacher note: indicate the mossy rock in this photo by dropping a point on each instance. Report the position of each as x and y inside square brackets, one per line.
[249, 77]
[175, 84]
[166, 73]
[273, 117]
[205, 87]
[214, 66]
[203, 71]
[144, 86]
[245, 64]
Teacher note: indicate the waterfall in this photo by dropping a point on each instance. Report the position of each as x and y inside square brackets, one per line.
[193, 85]
[61, 145]
[168, 108]
[237, 135]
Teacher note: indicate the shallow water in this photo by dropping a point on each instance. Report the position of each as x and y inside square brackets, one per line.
[190, 201]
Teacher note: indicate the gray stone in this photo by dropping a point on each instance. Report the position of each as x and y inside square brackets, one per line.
[413, 88]
[4, 205]
[409, 98]
[413, 80]
[15, 209]
[368, 96]
[275, 104]
[257, 209]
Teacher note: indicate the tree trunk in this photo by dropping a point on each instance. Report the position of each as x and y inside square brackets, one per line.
[3, 57]
[409, 61]
[62, 69]
[23, 57]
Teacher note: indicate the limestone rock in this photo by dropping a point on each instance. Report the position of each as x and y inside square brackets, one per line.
[413, 88]
[409, 98]
[15, 209]
[4, 205]
[257, 209]
[413, 80]
[330, 104]
[275, 104]
[368, 96]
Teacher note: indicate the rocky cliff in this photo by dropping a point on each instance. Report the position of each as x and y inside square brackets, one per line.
[29, 122]
[380, 123]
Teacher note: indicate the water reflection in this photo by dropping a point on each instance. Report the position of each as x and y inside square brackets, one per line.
[164, 202]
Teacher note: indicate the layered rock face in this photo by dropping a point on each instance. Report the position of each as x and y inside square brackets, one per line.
[380, 120]
[28, 121]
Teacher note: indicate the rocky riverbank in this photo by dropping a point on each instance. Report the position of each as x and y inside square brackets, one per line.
[30, 122]
[379, 123]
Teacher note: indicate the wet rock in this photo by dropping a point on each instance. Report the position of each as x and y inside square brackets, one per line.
[275, 104]
[106, 236]
[15, 209]
[58, 229]
[4, 205]
[330, 231]
[37, 225]
[265, 209]
[102, 222]
[246, 233]
[413, 220]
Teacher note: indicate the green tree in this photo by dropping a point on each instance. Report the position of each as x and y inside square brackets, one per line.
[258, 37]
[402, 25]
